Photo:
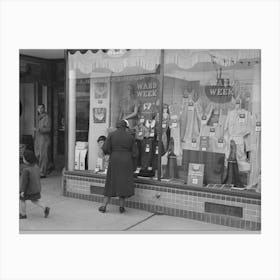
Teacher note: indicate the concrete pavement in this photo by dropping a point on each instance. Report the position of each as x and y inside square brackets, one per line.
[70, 215]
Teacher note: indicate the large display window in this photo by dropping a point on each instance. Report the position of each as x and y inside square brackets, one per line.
[195, 114]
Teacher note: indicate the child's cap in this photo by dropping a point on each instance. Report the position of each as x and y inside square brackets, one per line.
[29, 156]
[101, 138]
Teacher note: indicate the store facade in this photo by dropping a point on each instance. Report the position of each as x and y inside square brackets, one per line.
[200, 110]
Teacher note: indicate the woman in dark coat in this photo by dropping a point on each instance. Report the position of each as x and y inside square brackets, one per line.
[120, 145]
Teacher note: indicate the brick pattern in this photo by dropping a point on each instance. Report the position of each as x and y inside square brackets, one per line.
[172, 201]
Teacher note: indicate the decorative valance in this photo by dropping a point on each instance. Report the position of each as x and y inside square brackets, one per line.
[116, 61]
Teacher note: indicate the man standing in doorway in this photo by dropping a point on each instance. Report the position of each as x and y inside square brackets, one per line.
[42, 140]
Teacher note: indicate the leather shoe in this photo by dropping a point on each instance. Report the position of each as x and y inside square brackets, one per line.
[47, 212]
[102, 209]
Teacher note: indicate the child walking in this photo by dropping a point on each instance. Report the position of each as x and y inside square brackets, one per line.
[30, 185]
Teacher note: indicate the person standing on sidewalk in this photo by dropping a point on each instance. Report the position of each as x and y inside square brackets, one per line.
[30, 185]
[42, 140]
[120, 145]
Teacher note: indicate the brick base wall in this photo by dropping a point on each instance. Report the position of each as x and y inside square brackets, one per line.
[229, 210]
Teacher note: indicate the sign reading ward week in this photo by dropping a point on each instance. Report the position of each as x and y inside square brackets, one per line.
[147, 92]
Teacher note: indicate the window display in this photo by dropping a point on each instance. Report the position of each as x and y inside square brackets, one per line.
[210, 117]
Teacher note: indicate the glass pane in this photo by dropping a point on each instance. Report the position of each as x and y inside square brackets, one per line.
[212, 104]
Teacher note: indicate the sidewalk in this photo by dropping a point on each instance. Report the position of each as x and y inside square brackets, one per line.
[69, 215]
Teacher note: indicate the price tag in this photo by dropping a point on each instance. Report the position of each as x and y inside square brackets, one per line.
[152, 134]
[194, 144]
[190, 107]
[212, 131]
[140, 133]
[195, 181]
[258, 126]
[241, 118]
[164, 125]
[174, 125]
[204, 119]
[156, 150]
[220, 143]
[147, 150]
[203, 149]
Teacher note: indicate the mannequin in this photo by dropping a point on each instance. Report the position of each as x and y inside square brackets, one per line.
[130, 107]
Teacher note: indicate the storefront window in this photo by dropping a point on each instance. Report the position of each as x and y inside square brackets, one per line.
[212, 98]
[210, 112]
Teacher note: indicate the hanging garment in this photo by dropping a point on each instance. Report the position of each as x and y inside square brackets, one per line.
[149, 128]
[146, 153]
[189, 123]
[155, 153]
[255, 151]
[164, 129]
[237, 127]
[175, 127]
[139, 131]
[232, 175]
[203, 115]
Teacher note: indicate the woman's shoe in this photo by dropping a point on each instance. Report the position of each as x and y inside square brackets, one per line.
[22, 216]
[102, 209]
[122, 209]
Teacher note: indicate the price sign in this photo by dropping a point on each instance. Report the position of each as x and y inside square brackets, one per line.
[195, 175]
[212, 131]
[156, 150]
[194, 143]
[190, 106]
[147, 150]
[220, 143]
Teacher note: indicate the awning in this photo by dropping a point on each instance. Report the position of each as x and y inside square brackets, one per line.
[87, 61]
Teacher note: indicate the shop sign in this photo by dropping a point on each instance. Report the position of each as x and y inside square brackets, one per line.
[195, 175]
[219, 94]
[147, 88]
[147, 93]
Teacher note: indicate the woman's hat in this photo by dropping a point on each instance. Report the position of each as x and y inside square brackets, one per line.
[29, 156]
[122, 124]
